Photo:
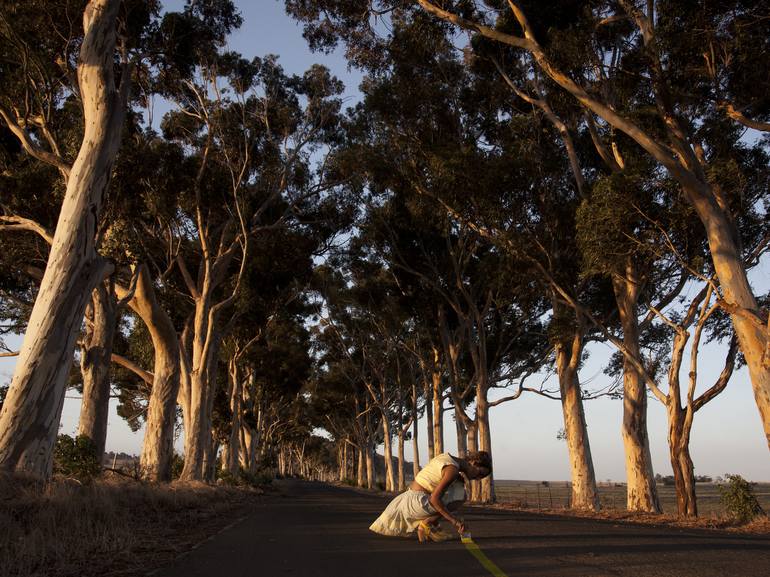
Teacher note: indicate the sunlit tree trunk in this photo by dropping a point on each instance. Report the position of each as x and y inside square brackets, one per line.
[642, 494]
[30, 416]
[568, 356]
[360, 467]
[487, 494]
[438, 405]
[390, 483]
[428, 390]
[198, 439]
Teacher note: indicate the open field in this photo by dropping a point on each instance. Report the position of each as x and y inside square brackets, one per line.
[555, 495]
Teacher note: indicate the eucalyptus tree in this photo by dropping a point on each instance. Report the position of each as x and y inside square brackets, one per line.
[696, 63]
[270, 309]
[34, 95]
[245, 126]
[447, 137]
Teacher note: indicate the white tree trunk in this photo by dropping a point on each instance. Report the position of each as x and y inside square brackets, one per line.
[360, 466]
[231, 462]
[584, 491]
[158, 445]
[642, 494]
[370, 476]
[198, 432]
[738, 296]
[390, 482]
[438, 412]
[487, 494]
[428, 390]
[30, 417]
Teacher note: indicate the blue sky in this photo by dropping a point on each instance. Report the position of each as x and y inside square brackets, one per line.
[727, 434]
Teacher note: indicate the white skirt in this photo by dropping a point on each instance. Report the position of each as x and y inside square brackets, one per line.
[404, 513]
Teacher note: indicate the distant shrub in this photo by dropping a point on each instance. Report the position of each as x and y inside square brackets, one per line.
[380, 485]
[738, 498]
[260, 477]
[225, 477]
[245, 478]
[177, 465]
[76, 457]
[349, 482]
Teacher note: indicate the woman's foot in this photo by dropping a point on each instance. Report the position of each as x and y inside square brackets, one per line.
[427, 532]
[438, 534]
[423, 532]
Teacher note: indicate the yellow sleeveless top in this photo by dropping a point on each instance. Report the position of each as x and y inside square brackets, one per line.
[430, 475]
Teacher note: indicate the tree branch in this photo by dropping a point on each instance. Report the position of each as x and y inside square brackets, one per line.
[146, 376]
[33, 149]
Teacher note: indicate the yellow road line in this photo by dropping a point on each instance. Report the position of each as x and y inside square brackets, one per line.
[482, 558]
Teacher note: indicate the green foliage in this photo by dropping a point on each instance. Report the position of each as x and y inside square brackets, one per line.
[76, 457]
[738, 498]
[177, 465]
[608, 224]
[244, 478]
[3, 393]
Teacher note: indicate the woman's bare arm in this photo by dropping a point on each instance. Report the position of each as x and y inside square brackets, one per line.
[448, 475]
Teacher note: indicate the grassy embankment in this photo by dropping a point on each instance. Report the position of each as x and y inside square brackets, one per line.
[554, 497]
[115, 526]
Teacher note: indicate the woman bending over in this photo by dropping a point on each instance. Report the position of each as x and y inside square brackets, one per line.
[437, 491]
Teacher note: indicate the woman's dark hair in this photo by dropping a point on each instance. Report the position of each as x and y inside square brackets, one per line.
[480, 459]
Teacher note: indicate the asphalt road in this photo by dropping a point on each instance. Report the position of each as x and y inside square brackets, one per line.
[315, 530]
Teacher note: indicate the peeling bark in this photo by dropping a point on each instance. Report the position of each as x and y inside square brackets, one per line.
[30, 416]
[157, 447]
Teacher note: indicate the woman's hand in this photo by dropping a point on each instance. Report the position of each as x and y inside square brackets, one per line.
[459, 526]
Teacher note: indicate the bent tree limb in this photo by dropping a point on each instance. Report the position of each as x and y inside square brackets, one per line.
[683, 164]
[30, 417]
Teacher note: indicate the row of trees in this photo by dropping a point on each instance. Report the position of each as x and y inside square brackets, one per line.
[597, 151]
[271, 265]
[182, 254]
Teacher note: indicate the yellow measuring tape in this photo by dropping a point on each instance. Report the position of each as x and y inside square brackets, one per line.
[481, 558]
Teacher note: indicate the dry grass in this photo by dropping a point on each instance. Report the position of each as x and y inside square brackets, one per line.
[759, 526]
[114, 526]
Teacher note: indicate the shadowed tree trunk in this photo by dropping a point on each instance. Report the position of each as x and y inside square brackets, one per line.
[157, 447]
[30, 417]
[415, 447]
[95, 363]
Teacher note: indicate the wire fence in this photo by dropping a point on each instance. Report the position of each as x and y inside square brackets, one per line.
[557, 495]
